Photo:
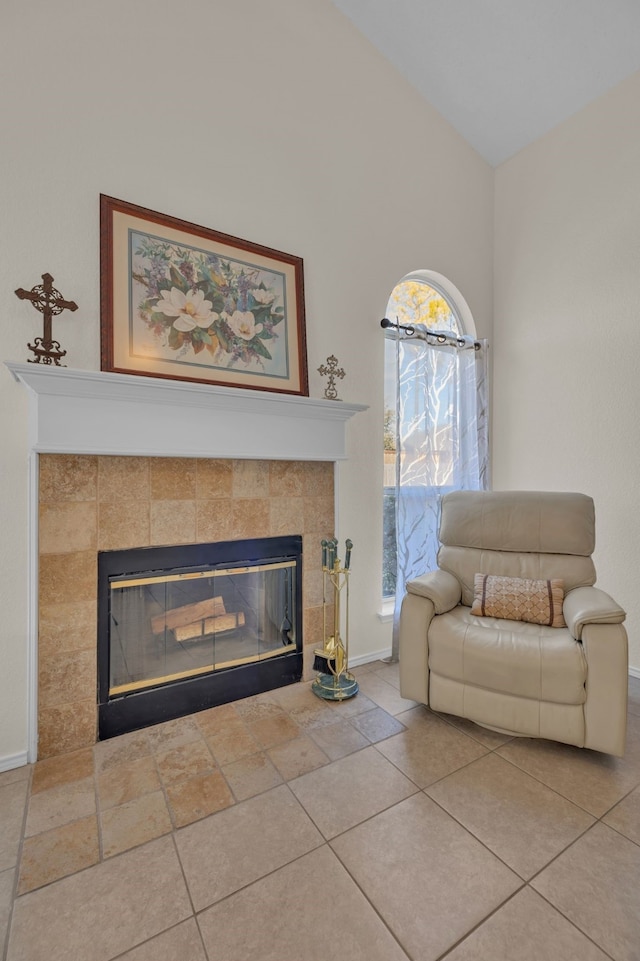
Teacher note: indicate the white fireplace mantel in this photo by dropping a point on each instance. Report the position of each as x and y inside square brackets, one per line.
[92, 412]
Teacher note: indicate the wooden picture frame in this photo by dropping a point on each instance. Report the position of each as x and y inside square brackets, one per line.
[184, 302]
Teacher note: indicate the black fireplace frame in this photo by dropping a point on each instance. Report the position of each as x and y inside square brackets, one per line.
[172, 699]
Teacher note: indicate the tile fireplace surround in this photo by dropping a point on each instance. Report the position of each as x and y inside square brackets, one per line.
[120, 461]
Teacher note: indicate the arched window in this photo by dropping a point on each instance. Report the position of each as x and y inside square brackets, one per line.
[430, 406]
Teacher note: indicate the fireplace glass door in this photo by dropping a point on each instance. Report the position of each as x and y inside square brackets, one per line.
[184, 628]
[171, 626]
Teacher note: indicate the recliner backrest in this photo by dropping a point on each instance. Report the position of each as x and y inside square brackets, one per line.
[537, 534]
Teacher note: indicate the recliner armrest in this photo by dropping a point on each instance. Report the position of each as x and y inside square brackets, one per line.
[440, 587]
[590, 605]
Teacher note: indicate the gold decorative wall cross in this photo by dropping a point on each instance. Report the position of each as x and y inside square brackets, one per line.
[50, 302]
[331, 370]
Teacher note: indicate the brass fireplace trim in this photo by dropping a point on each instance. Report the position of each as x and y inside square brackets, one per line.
[206, 669]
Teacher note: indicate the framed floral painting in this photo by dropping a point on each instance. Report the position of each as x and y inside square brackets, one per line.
[189, 303]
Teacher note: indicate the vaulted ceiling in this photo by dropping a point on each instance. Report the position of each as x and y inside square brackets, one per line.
[504, 72]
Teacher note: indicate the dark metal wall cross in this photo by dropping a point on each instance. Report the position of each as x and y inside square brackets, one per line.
[50, 302]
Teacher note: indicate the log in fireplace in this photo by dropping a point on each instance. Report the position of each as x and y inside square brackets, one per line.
[188, 627]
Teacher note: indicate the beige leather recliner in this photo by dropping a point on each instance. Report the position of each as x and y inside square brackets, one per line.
[563, 683]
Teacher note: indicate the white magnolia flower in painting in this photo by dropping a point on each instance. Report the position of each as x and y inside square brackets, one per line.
[190, 310]
[243, 324]
[263, 296]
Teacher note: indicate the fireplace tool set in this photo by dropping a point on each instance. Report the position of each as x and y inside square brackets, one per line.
[333, 681]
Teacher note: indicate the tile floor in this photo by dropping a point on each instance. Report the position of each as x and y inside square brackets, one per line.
[286, 828]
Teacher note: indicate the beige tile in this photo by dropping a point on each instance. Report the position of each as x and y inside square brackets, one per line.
[67, 526]
[526, 928]
[136, 822]
[124, 525]
[66, 627]
[172, 478]
[595, 885]
[296, 696]
[21, 773]
[118, 750]
[251, 517]
[359, 704]
[172, 734]
[259, 707]
[384, 694]
[13, 800]
[251, 775]
[214, 521]
[7, 880]
[318, 513]
[172, 522]
[592, 780]
[429, 879]
[250, 478]
[213, 478]
[128, 780]
[312, 626]
[66, 727]
[312, 547]
[250, 840]
[304, 707]
[73, 577]
[297, 757]
[123, 479]
[274, 730]
[67, 477]
[267, 915]
[198, 797]
[286, 516]
[214, 720]
[339, 739]
[625, 816]
[377, 725]
[62, 770]
[60, 805]
[66, 677]
[232, 742]
[116, 909]
[318, 478]
[286, 478]
[313, 586]
[366, 668]
[57, 853]
[388, 672]
[180, 763]
[429, 749]
[349, 790]
[525, 823]
[182, 943]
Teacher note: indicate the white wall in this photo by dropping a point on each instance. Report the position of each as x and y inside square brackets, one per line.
[566, 389]
[276, 122]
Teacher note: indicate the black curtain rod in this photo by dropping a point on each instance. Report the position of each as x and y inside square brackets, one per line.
[422, 332]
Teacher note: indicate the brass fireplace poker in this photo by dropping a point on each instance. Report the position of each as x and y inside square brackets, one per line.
[333, 681]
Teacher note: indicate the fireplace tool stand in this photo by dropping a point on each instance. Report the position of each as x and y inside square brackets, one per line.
[333, 681]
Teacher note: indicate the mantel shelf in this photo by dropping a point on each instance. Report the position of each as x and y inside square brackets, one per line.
[93, 412]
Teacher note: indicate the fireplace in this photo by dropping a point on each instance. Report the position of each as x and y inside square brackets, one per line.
[189, 627]
[170, 463]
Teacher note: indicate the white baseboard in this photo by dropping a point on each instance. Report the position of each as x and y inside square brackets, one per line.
[10, 761]
[367, 658]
